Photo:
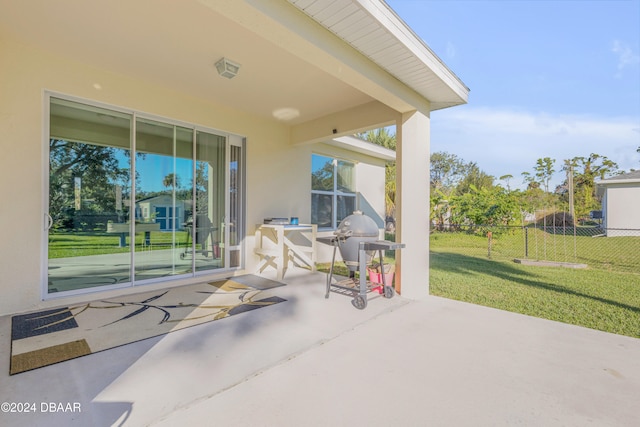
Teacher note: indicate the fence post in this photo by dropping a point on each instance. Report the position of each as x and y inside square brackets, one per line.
[526, 242]
[489, 235]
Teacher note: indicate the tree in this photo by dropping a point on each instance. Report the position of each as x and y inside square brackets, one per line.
[171, 181]
[474, 177]
[484, 207]
[586, 170]
[543, 173]
[530, 180]
[451, 177]
[534, 199]
[439, 210]
[506, 178]
[446, 171]
[91, 172]
[385, 139]
[380, 137]
[322, 179]
[202, 188]
[537, 195]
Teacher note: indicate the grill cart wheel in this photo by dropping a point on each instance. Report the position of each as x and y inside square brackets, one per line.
[359, 302]
[389, 292]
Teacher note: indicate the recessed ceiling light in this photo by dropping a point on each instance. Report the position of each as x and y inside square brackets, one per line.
[286, 114]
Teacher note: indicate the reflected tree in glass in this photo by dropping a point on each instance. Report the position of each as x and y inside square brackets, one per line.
[84, 178]
[322, 176]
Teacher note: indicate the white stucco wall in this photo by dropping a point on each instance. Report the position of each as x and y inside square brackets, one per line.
[370, 184]
[27, 73]
[278, 173]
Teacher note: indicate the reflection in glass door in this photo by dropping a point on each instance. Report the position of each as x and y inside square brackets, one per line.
[135, 200]
[210, 198]
[163, 194]
[89, 189]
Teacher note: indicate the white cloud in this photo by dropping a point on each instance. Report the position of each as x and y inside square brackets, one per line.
[626, 56]
[505, 141]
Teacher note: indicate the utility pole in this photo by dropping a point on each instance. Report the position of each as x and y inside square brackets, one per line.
[570, 184]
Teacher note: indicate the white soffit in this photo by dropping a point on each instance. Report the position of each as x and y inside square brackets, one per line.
[376, 31]
[363, 147]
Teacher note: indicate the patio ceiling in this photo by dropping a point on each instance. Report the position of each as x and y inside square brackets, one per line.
[288, 61]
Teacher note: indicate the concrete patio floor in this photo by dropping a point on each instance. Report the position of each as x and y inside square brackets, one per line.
[316, 362]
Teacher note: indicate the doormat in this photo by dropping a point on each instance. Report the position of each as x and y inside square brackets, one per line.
[56, 335]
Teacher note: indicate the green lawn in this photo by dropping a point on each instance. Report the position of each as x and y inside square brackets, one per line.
[64, 245]
[598, 297]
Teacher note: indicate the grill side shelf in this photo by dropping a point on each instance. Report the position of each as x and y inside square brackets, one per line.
[329, 240]
[368, 246]
[383, 245]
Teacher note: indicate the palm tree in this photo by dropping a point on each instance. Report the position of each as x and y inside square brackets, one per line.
[506, 178]
[171, 180]
[385, 139]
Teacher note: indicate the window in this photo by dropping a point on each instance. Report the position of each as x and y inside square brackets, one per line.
[333, 192]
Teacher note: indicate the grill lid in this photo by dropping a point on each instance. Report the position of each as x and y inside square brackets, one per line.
[357, 225]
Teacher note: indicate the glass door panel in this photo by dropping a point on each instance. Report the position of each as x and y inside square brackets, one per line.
[164, 190]
[234, 226]
[89, 182]
[210, 201]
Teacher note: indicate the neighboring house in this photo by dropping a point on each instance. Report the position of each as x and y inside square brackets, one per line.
[621, 204]
[164, 210]
[228, 104]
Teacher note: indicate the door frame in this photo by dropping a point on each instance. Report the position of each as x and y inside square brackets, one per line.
[230, 140]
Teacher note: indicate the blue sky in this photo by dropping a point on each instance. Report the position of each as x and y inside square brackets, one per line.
[555, 79]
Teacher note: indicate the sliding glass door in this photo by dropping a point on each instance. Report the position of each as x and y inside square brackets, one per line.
[135, 200]
[163, 194]
[89, 189]
[234, 227]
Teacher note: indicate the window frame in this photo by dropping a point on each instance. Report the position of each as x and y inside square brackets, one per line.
[335, 193]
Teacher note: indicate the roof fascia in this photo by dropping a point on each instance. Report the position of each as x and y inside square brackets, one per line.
[364, 147]
[618, 181]
[625, 178]
[396, 26]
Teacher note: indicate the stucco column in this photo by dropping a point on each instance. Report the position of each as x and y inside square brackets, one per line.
[412, 204]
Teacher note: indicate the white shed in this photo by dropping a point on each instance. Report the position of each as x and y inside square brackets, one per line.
[621, 204]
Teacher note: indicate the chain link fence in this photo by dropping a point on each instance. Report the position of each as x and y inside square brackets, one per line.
[594, 246]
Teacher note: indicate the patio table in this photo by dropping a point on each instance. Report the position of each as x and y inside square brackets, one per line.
[278, 244]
